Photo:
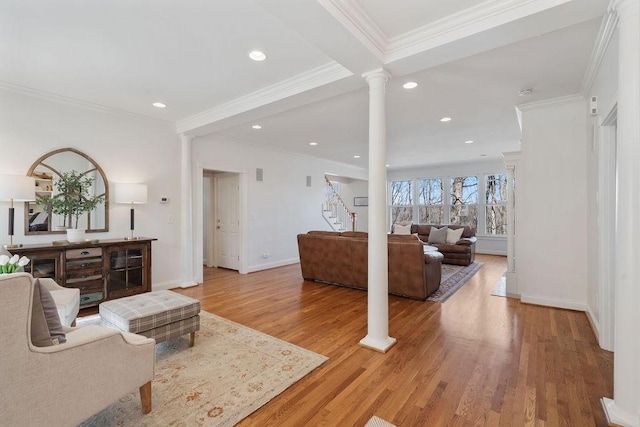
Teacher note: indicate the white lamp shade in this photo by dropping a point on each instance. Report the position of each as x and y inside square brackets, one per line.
[18, 188]
[131, 193]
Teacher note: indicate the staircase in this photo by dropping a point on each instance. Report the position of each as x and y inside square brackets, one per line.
[335, 211]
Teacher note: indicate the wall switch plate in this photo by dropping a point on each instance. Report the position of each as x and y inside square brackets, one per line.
[170, 219]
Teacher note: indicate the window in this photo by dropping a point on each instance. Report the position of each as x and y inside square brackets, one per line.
[464, 201]
[496, 208]
[401, 201]
[430, 207]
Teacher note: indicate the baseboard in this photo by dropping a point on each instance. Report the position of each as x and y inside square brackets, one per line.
[254, 268]
[595, 325]
[554, 302]
[617, 417]
[171, 285]
[485, 252]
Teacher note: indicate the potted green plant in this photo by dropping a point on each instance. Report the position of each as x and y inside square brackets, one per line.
[70, 200]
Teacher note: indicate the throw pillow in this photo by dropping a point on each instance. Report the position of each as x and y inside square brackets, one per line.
[402, 229]
[438, 235]
[46, 329]
[454, 235]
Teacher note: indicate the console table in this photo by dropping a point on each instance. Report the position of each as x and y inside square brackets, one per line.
[101, 269]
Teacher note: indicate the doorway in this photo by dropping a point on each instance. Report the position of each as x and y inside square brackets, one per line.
[221, 219]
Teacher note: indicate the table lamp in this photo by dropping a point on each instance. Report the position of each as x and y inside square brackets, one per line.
[131, 194]
[16, 188]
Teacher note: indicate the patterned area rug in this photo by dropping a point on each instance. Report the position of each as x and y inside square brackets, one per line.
[453, 278]
[378, 422]
[230, 372]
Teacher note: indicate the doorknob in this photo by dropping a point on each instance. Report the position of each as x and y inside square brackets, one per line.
[218, 227]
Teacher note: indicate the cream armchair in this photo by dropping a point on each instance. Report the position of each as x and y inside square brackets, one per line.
[64, 384]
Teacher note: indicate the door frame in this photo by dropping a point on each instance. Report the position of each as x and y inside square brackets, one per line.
[607, 192]
[198, 239]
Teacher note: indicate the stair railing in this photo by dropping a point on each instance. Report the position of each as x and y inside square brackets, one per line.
[335, 210]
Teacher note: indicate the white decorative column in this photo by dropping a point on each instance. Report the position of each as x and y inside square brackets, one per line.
[624, 409]
[186, 217]
[378, 281]
[511, 160]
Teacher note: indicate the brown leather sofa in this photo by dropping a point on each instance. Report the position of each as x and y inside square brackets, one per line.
[463, 252]
[341, 259]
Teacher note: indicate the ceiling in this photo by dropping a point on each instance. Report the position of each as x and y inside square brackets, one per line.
[469, 58]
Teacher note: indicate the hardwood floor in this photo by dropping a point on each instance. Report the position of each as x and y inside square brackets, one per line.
[477, 359]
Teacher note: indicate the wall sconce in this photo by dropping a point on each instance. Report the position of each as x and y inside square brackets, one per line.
[131, 194]
[16, 188]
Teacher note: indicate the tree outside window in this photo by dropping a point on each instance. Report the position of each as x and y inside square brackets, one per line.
[431, 209]
[401, 201]
[496, 204]
[464, 201]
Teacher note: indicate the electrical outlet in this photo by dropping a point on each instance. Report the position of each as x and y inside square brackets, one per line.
[265, 254]
[170, 219]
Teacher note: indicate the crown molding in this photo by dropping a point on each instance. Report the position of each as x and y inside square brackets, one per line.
[607, 28]
[27, 91]
[357, 22]
[319, 76]
[482, 17]
[553, 102]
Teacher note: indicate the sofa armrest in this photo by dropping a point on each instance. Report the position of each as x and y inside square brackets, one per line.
[467, 241]
[86, 335]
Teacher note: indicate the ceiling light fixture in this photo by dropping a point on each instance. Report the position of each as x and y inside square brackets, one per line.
[256, 127]
[483, 155]
[313, 143]
[445, 119]
[159, 105]
[525, 92]
[468, 142]
[410, 85]
[356, 157]
[256, 55]
[387, 165]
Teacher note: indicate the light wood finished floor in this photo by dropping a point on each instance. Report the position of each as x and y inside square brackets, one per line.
[477, 359]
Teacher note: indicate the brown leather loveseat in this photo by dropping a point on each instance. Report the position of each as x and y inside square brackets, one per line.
[341, 259]
[462, 252]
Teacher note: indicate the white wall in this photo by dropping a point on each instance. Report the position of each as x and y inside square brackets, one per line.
[281, 206]
[551, 205]
[494, 245]
[129, 149]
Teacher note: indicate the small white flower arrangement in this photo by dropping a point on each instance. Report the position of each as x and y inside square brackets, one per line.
[11, 265]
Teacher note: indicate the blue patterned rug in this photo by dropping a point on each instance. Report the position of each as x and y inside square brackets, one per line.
[453, 278]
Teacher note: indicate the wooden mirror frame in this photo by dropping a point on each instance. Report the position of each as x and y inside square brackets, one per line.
[96, 167]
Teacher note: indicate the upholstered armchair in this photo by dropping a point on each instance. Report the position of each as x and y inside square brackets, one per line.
[64, 384]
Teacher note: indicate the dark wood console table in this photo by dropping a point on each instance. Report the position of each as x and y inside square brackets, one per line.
[101, 269]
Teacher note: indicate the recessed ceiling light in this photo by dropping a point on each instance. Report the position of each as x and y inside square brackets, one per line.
[445, 119]
[313, 143]
[256, 55]
[256, 127]
[468, 142]
[387, 165]
[356, 157]
[159, 105]
[525, 92]
[410, 85]
[483, 155]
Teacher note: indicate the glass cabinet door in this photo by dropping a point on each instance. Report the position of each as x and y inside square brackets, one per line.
[126, 268]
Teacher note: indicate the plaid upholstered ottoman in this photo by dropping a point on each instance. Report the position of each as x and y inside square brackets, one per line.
[160, 315]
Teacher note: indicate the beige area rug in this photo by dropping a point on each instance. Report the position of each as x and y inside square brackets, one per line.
[230, 372]
[378, 422]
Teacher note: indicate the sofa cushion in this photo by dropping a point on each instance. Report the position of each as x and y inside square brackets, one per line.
[454, 235]
[46, 329]
[438, 235]
[401, 229]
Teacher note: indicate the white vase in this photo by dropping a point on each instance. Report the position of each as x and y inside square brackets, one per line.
[74, 235]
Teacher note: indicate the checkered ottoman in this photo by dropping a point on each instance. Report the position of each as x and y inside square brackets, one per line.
[160, 315]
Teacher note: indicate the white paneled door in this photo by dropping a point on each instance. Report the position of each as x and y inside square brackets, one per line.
[227, 220]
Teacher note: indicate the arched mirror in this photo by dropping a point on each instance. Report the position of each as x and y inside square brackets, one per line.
[52, 173]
